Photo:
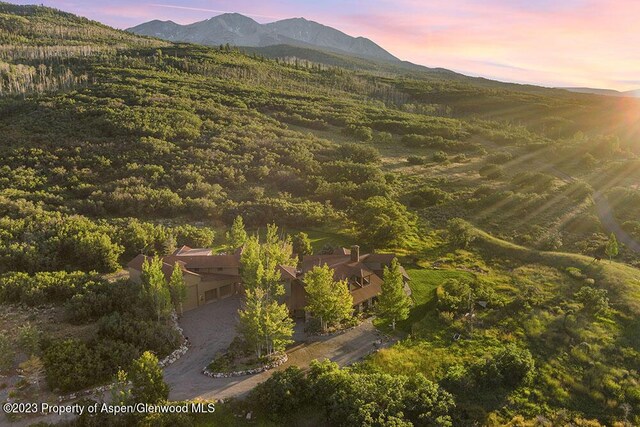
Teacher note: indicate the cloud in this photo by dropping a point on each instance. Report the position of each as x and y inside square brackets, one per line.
[549, 42]
[199, 9]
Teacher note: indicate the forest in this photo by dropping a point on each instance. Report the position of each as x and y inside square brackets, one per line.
[115, 145]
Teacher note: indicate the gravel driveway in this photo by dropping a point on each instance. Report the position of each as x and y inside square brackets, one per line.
[211, 328]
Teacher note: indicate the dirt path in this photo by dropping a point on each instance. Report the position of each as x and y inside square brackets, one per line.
[603, 209]
[605, 213]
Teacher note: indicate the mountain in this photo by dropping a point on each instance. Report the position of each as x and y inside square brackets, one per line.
[604, 92]
[239, 30]
[115, 144]
[55, 32]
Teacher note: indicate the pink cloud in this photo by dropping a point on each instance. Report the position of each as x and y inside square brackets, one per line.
[551, 42]
[593, 43]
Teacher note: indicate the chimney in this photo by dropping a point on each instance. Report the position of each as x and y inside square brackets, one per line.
[355, 253]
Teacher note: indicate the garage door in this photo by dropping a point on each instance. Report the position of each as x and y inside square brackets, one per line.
[210, 295]
[226, 291]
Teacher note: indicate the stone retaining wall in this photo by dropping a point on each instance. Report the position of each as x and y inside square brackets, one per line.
[277, 361]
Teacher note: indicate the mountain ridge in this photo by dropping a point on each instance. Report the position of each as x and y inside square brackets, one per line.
[240, 30]
[603, 92]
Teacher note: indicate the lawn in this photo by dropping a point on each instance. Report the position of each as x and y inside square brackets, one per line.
[423, 286]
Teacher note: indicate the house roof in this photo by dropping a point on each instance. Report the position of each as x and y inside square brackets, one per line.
[287, 273]
[366, 292]
[367, 265]
[211, 261]
[187, 251]
[341, 251]
[167, 268]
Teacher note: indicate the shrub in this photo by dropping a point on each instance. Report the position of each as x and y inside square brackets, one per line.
[354, 398]
[511, 367]
[383, 221]
[143, 334]
[104, 298]
[283, 393]
[197, 237]
[361, 133]
[440, 157]
[461, 233]
[593, 300]
[29, 339]
[358, 153]
[428, 196]
[492, 172]
[7, 353]
[70, 365]
[415, 160]
[45, 287]
[500, 158]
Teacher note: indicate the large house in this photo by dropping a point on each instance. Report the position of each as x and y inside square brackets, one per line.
[363, 274]
[208, 277]
[212, 277]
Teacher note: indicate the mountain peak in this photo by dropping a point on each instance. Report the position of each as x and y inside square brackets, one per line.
[240, 30]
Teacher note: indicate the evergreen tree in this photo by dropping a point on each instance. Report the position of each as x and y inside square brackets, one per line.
[237, 236]
[155, 290]
[393, 302]
[612, 247]
[147, 383]
[329, 301]
[177, 288]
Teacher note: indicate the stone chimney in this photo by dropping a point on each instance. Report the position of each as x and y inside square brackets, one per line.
[355, 253]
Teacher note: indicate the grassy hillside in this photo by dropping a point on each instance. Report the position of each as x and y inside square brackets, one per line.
[42, 26]
[115, 145]
[585, 355]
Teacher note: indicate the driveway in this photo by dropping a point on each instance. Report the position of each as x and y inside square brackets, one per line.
[210, 328]
[187, 381]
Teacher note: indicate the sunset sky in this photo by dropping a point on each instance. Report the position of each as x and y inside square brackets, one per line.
[591, 43]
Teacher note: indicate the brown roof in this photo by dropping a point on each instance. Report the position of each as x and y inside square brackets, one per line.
[186, 250]
[167, 268]
[219, 277]
[349, 270]
[298, 298]
[287, 273]
[368, 264]
[212, 261]
[366, 292]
